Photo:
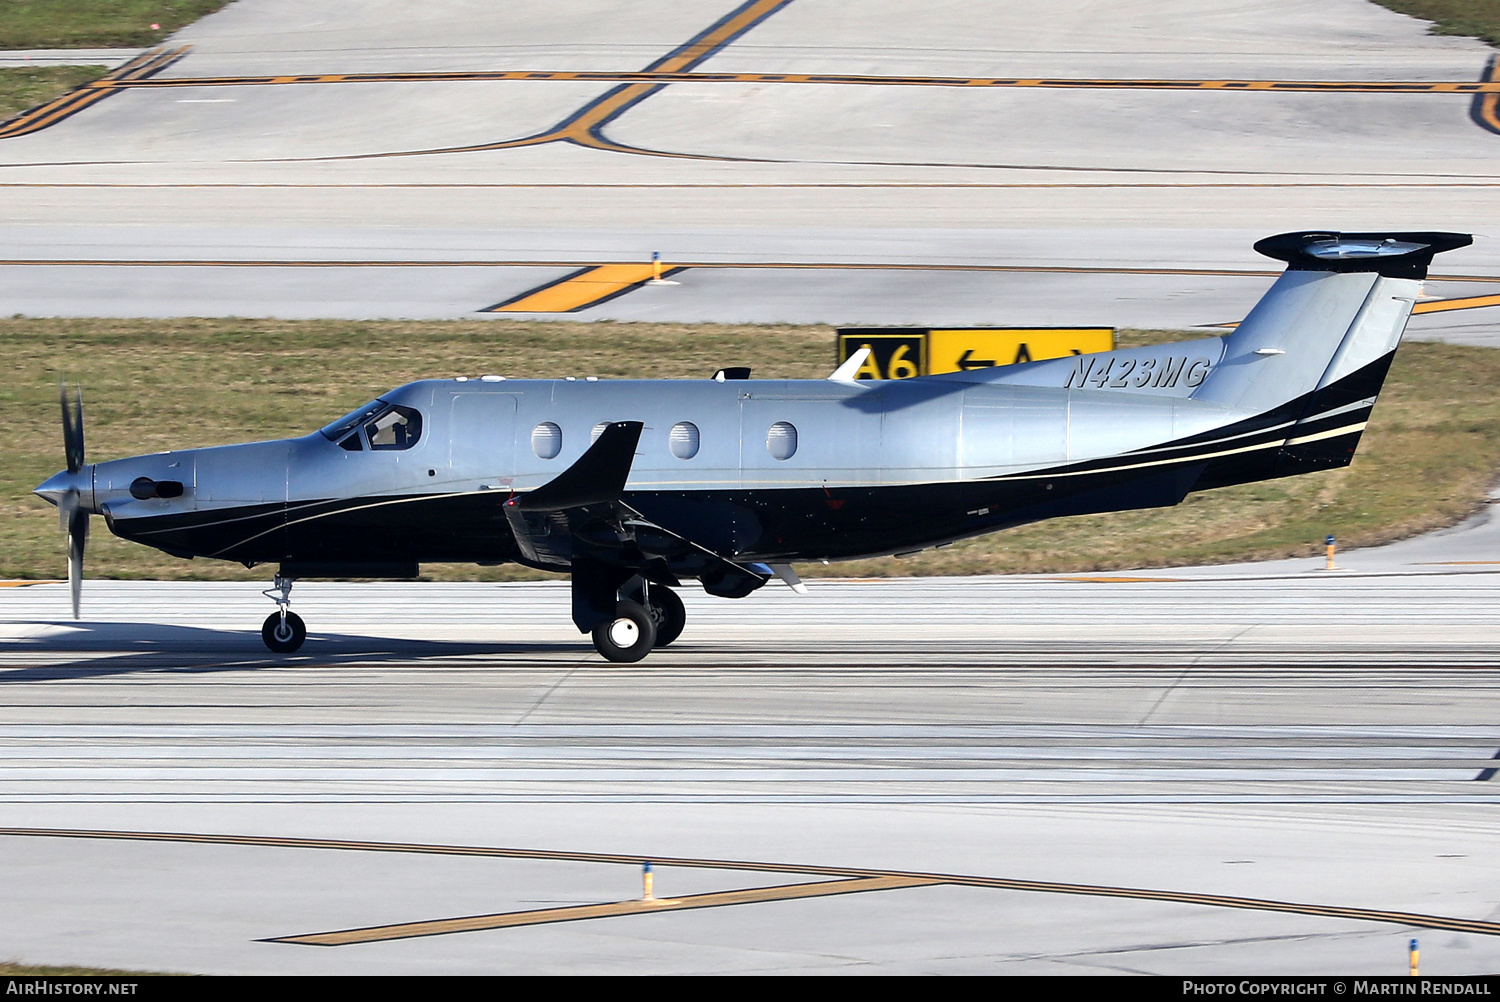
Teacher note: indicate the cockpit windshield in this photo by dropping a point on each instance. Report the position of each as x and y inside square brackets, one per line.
[338, 429]
[385, 426]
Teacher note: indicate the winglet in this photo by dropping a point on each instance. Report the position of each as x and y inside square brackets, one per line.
[597, 477]
[852, 364]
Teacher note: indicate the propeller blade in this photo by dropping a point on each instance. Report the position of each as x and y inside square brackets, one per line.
[78, 538]
[66, 506]
[72, 421]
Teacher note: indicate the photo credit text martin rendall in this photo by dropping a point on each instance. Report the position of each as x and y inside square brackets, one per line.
[1339, 986]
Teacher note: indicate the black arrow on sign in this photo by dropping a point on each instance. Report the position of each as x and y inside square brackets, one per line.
[965, 363]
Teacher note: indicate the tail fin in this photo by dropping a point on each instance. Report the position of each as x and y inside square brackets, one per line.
[1316, 348]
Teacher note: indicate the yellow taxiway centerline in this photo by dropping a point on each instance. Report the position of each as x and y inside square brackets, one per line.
[666, 74]
[1460, 303]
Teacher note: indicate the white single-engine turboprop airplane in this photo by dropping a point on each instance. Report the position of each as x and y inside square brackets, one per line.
[633, 485]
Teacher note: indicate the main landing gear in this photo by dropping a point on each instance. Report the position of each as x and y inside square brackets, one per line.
[283, 630]
[650, 616]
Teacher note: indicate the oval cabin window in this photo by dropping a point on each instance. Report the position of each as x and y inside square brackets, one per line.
[546, 440]
[781, 440]
[683, 440]
[598, 430]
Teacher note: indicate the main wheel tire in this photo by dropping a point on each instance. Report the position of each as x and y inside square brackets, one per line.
[628, 637]
[283, 635]
[667, 614]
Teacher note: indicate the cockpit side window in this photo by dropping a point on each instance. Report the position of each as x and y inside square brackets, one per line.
[352, 443]
[395, 428]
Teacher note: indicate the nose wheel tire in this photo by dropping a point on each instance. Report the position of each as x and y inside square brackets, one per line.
[283, 635]
[628, 637]
[667, 614]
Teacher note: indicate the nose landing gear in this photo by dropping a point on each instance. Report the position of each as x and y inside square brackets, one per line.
[283, 630]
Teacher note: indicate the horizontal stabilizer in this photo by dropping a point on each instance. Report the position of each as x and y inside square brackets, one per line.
[597, 477]
[1394, 255]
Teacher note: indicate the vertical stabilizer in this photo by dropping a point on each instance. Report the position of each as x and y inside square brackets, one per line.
[1314, 352]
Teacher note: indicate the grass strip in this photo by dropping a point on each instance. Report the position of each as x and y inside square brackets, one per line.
[1476, 18]
[96, 24]
[1427, 459]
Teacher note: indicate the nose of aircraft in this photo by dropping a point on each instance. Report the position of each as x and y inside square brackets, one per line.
[57, 486]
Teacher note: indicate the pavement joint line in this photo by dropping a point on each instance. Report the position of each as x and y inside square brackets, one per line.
[1446, 923]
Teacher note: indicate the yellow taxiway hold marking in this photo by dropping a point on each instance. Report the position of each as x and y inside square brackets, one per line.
[28, 584]
[1117, 580]
[589, 287]
[54, 111]
[543, 916]
[1445, 922]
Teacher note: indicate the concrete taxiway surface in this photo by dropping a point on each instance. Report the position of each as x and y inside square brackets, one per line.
[955, 750]
[939, 135]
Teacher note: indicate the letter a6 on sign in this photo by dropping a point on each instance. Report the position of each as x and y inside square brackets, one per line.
[904, 352]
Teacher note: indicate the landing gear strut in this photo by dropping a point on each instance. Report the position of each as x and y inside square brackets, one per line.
[283, 630]
[665, 609]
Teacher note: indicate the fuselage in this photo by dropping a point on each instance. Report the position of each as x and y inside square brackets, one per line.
[754, 469]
